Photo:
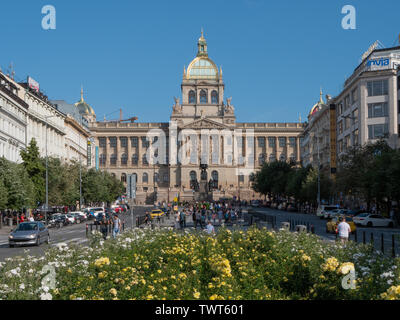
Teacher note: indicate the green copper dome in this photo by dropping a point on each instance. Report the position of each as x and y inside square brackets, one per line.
[83, 107]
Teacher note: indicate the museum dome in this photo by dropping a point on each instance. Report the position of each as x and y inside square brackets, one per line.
[83, 107]
[202, 67]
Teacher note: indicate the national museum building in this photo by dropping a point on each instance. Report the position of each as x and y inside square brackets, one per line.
[202, 129]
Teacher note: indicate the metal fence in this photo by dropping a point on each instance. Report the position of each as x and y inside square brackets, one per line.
[381, 243]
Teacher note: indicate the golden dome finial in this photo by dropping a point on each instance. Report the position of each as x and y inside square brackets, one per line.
[81, 92]
[321, 100]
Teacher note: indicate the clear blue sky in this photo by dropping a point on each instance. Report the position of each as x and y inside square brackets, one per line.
[129, 54]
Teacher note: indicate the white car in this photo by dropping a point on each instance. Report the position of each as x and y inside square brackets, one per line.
[325, 211]
[79, 216]
[70, 218]
[372, 220]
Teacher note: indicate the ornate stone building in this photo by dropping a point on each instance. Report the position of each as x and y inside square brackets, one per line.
[202, 128]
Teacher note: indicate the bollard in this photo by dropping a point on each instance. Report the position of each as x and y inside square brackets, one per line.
[393, 250]
[364, 237]
[285, 225]
[382, 245]
[301, 228]
[372, 239]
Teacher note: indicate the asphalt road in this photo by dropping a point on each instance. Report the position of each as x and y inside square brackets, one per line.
[320, 228]
[69, 234]
[77, 233]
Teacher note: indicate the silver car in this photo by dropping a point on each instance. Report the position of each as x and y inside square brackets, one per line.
[29, 233]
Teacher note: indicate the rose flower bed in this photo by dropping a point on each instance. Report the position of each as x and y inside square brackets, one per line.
[165, 265]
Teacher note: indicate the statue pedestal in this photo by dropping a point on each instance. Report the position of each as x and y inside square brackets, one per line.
[203, 194]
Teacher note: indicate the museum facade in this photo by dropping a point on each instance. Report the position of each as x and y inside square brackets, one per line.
[165, 157]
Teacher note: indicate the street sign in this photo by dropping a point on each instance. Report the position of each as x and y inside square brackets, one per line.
[131, 186]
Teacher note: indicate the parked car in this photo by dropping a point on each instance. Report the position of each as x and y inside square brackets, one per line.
[373, 220]
[255, 203]
[92, 212]
[100, 215]
[29, 233]
[324, 211]
[70, 218]
[79, 217]
[332, 224]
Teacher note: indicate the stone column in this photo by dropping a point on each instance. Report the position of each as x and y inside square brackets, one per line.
[107, 151]
[139, 153]
[298, 158]
[129, 151]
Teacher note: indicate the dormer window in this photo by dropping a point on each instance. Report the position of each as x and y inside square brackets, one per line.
[214, 97]
[203, 96]
[192, 97]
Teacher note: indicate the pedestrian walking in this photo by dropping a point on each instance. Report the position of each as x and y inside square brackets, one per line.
[104, 227]
[203, 220]
[210, 228]
[117, 226]
[177, 218]
[220, 215]
[181, 219]
[343, 229]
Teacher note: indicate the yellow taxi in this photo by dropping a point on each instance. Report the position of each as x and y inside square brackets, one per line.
[156, 213]
[332, 224]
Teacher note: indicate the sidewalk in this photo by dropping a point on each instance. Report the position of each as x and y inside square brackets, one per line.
[5, 230]
[170, 223]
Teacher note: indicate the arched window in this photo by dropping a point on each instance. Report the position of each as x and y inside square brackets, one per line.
[203, 96]
[193, 175]
[214, 175]
[192, 97]
[123, 177]
[214, 97]
[135, 159]
[145, 178]
[124, 159]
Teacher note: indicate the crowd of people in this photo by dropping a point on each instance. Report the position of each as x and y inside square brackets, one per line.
[204, 215]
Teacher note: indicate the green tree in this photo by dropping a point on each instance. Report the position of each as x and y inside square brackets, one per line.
[35, 169]
[3, 194]
[19, 190]
[309, 188]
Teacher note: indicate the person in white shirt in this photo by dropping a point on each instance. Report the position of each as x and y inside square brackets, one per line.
[210, 228]
[343, 229]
